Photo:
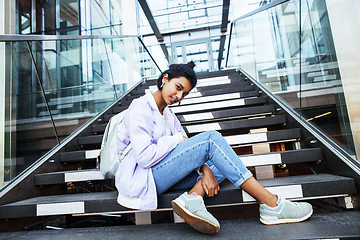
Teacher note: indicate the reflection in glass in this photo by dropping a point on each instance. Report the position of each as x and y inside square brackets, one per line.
[302, 71]
[56, 86]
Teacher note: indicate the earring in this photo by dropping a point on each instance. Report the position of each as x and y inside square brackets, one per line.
[162, 85]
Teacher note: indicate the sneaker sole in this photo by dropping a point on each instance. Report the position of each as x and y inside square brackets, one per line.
[197, 223]
[285, 220]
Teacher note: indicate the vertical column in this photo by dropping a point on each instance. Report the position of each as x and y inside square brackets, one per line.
[2, 94]
[7, 26]
[262, 172]
[129, 27]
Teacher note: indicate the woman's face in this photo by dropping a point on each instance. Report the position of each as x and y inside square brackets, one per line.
[175, 90]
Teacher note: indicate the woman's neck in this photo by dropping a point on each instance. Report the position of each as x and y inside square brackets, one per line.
[159, 101]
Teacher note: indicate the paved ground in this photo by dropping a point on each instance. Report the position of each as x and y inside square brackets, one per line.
[345, 225]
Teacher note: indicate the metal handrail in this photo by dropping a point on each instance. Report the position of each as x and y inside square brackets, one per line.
[24, 38]
[21, 37]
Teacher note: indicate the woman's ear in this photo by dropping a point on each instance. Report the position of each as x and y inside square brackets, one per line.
[165, 78]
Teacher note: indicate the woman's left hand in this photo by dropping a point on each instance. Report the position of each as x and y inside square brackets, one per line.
[209, 182]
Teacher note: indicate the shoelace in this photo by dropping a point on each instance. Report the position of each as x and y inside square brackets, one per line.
[291, 203]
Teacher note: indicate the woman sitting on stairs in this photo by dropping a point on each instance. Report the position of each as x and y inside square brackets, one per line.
[163, 158]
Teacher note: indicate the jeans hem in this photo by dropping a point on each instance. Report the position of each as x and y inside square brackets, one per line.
[243, 179]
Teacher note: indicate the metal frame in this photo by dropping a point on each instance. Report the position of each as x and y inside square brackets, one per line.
[22, 38]
[145, 7]
[225, 15]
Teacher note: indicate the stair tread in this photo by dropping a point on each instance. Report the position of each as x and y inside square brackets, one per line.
[245, 111]
[250, 160]
[236, 124]
[211, 115]
[202, 127]
[240, 86]
[233, 103]
[294, 187]
[238, 140]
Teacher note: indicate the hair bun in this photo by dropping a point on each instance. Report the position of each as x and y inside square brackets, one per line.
[191, 64]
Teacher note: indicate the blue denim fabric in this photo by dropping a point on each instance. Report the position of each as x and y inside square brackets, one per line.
[176, 170]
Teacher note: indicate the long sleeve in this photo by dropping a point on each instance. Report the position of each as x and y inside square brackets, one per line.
[177, 125]
[140, 123]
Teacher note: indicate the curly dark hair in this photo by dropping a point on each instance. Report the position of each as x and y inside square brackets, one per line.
[180, 70]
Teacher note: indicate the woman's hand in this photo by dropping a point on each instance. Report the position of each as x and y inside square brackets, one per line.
[209, 182]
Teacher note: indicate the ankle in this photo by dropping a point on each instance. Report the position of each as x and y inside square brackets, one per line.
[193, 193]
[271, 202]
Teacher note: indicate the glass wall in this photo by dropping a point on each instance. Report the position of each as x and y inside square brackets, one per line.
[290, 49]
[191, 30]
[55, 86]
[74, 17]
[175, 15]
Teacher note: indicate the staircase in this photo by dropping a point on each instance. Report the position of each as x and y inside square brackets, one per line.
[69, 186]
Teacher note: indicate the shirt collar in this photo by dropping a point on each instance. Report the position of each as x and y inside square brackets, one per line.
[151, 100]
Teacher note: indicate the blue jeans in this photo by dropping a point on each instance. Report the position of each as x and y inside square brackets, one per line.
[176, 170]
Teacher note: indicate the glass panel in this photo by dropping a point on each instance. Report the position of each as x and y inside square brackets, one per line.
[100, 13]
[241, 51]
[24, 17]
[116, 12]
[179, 55]
[28, 129]
[172, 15]
[53, 87]
[304, 71]
[322, 95]
[199, 54]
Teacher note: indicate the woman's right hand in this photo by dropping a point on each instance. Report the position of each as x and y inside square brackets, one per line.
[209, 182]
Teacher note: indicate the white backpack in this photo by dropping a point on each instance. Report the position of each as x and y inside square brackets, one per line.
[109, 157]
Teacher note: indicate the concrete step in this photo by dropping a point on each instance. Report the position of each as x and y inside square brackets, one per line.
[295, 187]
[124, 103]
[209, 106]
[236, 125]
[252, 123]
[245, 112]
[252, 160]
[233, 103]
[285, 135]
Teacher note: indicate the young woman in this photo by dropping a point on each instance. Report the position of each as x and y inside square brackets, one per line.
[162, 157]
